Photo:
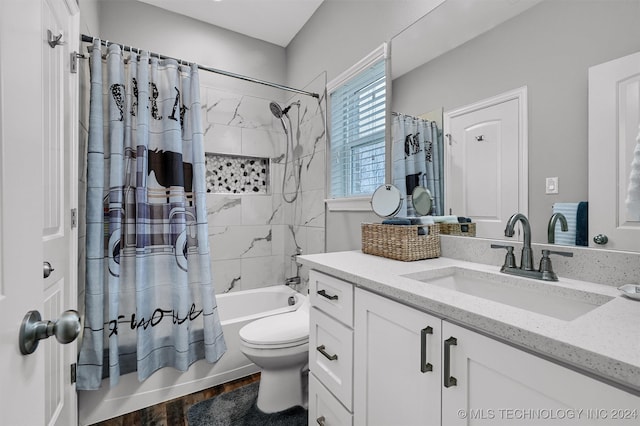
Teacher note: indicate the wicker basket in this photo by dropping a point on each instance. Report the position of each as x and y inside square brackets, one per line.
[463, 229]
[400, 242]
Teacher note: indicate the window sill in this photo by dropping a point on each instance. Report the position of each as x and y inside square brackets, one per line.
[351, 204]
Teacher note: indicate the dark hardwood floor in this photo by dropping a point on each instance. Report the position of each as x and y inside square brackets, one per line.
[174, 412]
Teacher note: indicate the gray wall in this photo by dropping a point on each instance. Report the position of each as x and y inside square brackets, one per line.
[548, 48]
[157, 30]
[338, 35]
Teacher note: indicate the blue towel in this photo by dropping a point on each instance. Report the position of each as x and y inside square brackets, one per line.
[396, 221]
[582, 224]
[569, 210]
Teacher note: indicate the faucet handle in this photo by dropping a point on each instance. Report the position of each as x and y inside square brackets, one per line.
[545, 264]
[510, 258]
[546, 253]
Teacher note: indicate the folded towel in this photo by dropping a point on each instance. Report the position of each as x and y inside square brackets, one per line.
[425, 220]
[423, 230]
[396, 221]
[569, 210]
[582, 224]
[464, 219]
[445, 219]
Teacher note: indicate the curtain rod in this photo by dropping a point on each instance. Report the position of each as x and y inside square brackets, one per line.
[90, 39]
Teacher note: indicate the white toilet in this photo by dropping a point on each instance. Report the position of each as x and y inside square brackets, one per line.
[279, 345]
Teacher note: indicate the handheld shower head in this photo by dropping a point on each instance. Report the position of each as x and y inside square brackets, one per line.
[276, 110]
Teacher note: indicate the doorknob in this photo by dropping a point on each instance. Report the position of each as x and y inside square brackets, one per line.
[33, 329]
[46, 266]
[601, 239]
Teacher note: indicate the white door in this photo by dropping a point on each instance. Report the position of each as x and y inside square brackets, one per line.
[396, 363]
[38, 162]
[497, 384]
[486, 161]
[614, 116]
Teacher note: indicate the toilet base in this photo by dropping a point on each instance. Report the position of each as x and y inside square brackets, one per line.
[280, 389]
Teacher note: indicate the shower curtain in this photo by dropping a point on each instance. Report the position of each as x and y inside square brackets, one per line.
[418, 159]
[149, 298]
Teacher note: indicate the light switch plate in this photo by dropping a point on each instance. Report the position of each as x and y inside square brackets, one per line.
[552, 185]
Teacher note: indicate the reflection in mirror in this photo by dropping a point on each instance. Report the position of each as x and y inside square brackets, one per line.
[417, 159]
[547, 46]
[422, 201]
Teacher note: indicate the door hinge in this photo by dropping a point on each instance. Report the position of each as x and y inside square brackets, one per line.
[74, 218]
[73, 373]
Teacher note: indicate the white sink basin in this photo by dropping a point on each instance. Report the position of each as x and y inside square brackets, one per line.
[542, 297]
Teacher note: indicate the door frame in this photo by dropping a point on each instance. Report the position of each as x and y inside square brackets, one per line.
[519, 94]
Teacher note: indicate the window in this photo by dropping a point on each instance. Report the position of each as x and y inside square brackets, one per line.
[357, 128]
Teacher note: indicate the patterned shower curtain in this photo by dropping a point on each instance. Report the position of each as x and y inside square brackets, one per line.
[149, 297]
[418, 159]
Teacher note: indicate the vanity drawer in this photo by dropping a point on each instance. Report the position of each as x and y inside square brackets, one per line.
[331, 355]
[332, 296]
[324, 408]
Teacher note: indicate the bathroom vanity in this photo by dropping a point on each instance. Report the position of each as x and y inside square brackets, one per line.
[445, 342]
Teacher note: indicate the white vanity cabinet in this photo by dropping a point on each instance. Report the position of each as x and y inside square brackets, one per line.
[498, 384]
[397, 366]
[411, 368]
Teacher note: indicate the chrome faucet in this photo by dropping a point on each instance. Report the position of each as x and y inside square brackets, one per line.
[545, 272]
[551, 228]
[526, 259]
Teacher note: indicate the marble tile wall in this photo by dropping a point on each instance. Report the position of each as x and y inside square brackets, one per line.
[254, 236]
[305, 217]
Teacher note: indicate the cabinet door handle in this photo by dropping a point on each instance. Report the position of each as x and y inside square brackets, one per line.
[424, 365]
[320, 420]
[449, 380]
[321, 349]
[323, 293]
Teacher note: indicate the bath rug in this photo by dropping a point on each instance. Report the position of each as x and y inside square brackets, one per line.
[238, 408]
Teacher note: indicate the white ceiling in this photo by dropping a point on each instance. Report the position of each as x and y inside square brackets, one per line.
[275, 21]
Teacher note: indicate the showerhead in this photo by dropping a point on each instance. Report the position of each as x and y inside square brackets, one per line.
[279, 113]
[276, 110]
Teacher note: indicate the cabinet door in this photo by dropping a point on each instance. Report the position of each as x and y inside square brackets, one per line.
[396, 363]
[498, 384]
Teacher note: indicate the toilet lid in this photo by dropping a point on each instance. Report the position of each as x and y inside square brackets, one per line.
[280, 329]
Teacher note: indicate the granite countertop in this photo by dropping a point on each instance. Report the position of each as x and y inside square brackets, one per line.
[604, 342]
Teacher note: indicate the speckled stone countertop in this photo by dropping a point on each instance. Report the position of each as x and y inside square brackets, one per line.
[604, 342]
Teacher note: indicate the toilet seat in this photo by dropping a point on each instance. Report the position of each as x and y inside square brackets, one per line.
[284, 330]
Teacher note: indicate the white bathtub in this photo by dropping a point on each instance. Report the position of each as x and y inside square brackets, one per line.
[236, 309]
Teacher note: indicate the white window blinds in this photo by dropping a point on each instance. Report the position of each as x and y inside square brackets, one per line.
[357, 126]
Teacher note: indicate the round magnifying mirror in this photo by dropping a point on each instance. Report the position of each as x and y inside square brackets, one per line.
[386, 200]
[422, 200]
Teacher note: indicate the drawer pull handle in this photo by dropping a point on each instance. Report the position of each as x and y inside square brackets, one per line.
[424, 365]
[328, 296]
[320, 420]
[449, 380]
[321, 349]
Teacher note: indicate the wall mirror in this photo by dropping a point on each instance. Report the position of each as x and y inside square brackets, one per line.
[494, 47]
